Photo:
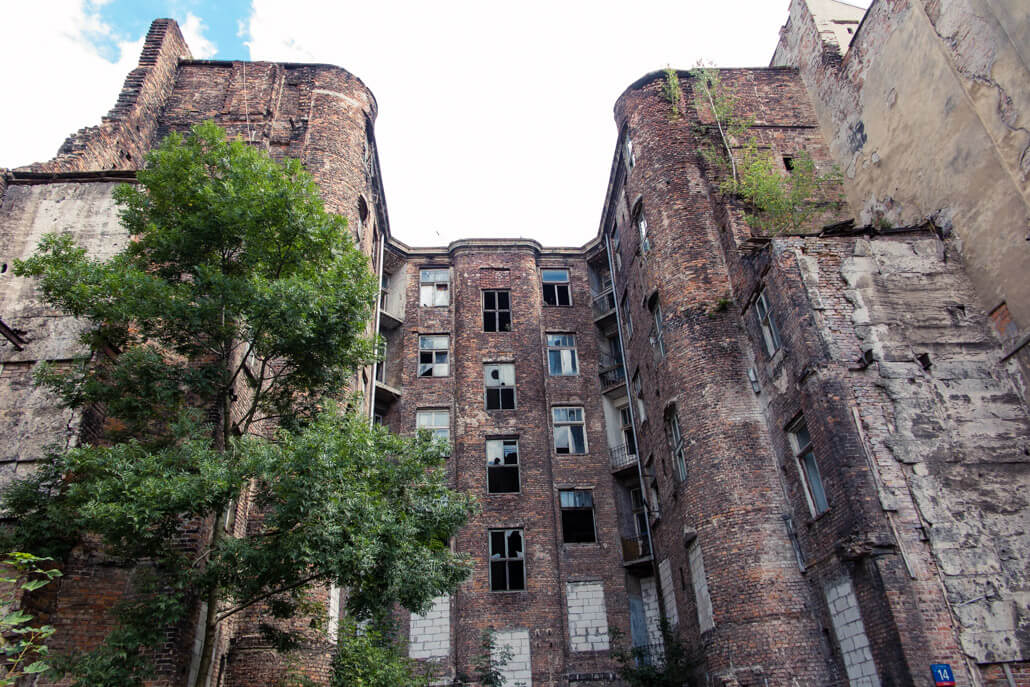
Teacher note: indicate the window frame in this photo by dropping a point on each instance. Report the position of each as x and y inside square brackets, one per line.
[658, 340]
[567, 283]
[507, 559]
[577, 508]
[569, 424]
[434, 352]
[629, 436]
[771, 341]
[433, 284]
[560, 347]
[804, 458]
[491, 467]
[496, 311]
[640, 222]
[677, 450]
[501, 386]
[435, 429]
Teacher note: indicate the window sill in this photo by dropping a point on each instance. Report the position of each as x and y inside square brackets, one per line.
[816, 518]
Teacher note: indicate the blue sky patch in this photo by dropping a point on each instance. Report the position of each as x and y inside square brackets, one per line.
[130, 20]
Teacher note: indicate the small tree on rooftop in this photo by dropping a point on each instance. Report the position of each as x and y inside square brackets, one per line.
[238, 306]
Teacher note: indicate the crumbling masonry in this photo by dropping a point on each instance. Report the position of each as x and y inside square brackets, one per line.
[807, 452]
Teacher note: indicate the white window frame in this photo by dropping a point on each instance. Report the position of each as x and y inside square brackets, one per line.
[565, 346]
[770, 332]
[497, 455]
[499, 382]
[564, 427]
[638, 393]
[434, 287]
[658, 341]
[808, 467]
[557, 283]
[676, 447]
[439, 363]
[429, 419]
[631, 157]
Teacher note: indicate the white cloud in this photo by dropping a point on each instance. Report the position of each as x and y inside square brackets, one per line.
[193, 31]
[62, 84]
[496, 119]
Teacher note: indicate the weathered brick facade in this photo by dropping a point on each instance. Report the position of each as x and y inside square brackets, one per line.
[807, 451]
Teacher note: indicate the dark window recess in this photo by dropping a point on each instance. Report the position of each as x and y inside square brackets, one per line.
[502, 466]
[577, 517]
[556, 287]
[496, 311]
[788, 163]
[507, 561]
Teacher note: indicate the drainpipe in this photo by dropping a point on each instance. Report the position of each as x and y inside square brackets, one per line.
[375, 332]
[632, 405]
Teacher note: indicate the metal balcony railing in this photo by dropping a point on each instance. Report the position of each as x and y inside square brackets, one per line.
[649, 655]
[621, 457]
[635, 548]
[604, 303]
[611, 371]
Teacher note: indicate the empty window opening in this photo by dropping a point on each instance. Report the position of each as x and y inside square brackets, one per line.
[577, 516]
[556, 287]
[434, 287]
[788, 163]
[569, 431]
[658, 326]
[628, 437]
[496, 311]
[561, 355]
[507, 561]
[770, 333]
[809, 469]
[500, 386]
[433, 356]
[502, 466]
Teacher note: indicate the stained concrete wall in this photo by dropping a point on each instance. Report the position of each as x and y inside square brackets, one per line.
[30, 418]
[928, 115]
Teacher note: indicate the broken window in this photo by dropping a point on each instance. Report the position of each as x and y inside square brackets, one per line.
[628, 321]
[556, 287]
[496, 311]
[770, 334]
[658, 328]
[502, 466]
[577, 516]
[638, 393]
[627, 430]
[507, 561]
[809, 469]
[569, 431]
[631, 158]
[437, 422]
[500, 386]
[434, 287]
[433, 356]
[641, 223]
[561, 355]
[676, 448]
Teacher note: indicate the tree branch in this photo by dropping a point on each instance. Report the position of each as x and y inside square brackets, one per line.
[257, 599]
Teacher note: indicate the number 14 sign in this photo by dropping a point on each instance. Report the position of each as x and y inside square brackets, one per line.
[942, 675]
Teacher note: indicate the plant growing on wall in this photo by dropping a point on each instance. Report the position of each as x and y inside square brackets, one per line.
[238, 306]
[778, 202]
[672, 91]
[652, 666]
[22, 645]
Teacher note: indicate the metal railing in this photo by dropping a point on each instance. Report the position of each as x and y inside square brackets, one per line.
[610, 370]
[604, 303]
[635, 548]
[649, 655]
[621, 457]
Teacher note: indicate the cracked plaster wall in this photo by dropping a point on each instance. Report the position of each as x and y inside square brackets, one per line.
[30, 418]
[957, 433]
[928, 115]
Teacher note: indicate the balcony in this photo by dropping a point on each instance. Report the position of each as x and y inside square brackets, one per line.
[636, 550]
[604, 304]
[612, 373]
[649, 655]
[621, 458]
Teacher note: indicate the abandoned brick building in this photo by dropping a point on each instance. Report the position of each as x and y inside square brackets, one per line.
[808, 452]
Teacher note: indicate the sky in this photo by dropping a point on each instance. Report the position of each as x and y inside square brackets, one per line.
[495, 118]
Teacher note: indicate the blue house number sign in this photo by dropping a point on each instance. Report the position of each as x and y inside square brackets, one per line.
[942, 675]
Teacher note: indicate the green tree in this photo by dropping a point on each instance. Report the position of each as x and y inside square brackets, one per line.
[22, 646]
[238, 306]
